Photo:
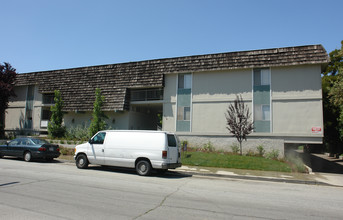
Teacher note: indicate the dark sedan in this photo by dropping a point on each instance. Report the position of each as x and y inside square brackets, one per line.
[30, 148]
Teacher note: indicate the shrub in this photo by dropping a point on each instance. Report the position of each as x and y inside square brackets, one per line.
[66, 150]
[184, 145]
[234, 148]
[209, 147]
[250, 153]
[78, 133]
[260, 150]
[274, 154]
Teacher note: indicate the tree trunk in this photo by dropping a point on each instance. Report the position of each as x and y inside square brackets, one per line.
[240, 147]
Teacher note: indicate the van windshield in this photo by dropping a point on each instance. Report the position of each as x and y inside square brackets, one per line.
[171, 140]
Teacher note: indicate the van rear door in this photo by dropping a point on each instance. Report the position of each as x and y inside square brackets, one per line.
[173, 149]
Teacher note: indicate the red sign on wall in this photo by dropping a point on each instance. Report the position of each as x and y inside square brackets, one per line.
[316, 130]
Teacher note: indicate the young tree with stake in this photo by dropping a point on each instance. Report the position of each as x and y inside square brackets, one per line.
[238, 120]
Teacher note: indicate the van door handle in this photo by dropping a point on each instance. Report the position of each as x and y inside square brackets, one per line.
[103, 150]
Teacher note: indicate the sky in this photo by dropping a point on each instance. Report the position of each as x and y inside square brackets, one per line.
[40, 35]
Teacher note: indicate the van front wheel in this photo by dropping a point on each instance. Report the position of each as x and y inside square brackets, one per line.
[82, 161]
[143, 168]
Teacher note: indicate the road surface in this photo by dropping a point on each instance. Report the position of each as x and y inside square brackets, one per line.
[55, 190]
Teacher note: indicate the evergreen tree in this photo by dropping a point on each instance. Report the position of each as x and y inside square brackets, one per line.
[98, 117]
[55, 127]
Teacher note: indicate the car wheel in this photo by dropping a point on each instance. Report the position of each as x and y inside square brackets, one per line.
[1, 156]
[27, 156]
[143, 167]
[82, 161]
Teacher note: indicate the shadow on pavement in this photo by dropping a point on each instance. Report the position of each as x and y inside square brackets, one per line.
[321, 163]
[167, 175]
[324, 164]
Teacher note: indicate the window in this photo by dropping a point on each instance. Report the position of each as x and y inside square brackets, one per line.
[262, 112]
[261, 77]
[99, 138]
[171, 140]
[184, 114]
[49, 98]
[262, 100]
[46, 114]
[185, 81]
[265, 112]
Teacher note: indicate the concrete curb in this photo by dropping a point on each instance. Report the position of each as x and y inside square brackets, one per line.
[256, 178]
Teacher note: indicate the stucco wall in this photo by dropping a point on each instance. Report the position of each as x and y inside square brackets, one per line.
[169, 105]
[297, 116]
[221, 86]
[296, 82]
[297, 100]
[14, 118]
[296, 104]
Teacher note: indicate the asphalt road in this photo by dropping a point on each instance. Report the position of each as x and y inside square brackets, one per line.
[40, 190]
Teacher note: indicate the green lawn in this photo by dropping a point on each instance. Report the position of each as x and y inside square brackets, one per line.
[233, 161]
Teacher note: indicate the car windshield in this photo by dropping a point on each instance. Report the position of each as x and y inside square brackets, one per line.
[39, 141]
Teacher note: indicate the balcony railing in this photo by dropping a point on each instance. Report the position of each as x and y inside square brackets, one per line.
[147, 94]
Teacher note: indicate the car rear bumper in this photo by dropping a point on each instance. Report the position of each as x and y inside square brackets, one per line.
[171, 165]
[45, 154]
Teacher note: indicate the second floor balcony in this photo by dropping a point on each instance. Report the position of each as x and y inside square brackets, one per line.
[146, 94]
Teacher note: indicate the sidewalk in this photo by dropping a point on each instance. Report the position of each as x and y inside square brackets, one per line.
[301, 178]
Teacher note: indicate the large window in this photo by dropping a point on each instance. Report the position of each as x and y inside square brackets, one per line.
[262, 113]
[184, 91]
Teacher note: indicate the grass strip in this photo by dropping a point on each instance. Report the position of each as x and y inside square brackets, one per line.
[233, 161]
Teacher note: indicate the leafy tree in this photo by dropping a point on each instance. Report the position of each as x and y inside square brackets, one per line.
[332, 86]
[336, 62]
[238, 120]
[7, 78]
[98, 117]
[55, 127]
[336, 93]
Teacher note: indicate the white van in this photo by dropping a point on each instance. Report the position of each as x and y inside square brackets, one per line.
[143, 150]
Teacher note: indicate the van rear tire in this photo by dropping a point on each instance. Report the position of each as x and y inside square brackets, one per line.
[143, 168]
[82, 161]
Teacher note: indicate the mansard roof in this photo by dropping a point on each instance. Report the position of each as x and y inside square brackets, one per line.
[77, 85]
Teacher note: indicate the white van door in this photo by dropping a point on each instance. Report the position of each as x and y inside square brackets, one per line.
[96, 154]
[173, 149]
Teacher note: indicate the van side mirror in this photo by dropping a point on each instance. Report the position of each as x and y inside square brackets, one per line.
[90, 141]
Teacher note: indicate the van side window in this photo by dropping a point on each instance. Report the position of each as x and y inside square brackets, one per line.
[99, 138]
[171, 140]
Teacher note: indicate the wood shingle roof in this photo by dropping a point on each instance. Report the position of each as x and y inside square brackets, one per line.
[78, 85]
